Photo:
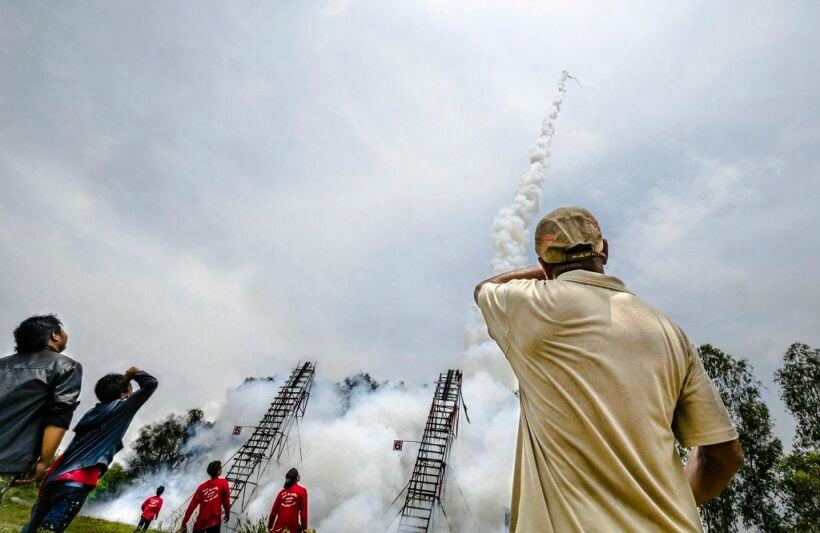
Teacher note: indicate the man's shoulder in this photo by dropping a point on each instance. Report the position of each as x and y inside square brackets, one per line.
[656, 313]
[520, 284]
[42, 358]
[66, 362]
[516, 286]
[66, 358]
[45, 359]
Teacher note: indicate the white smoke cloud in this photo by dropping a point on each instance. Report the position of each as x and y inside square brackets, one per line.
[343, 449]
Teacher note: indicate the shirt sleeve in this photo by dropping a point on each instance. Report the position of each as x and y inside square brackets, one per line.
[700, 417]
[303, 515]
[226, 497]
[492, 301]
[191, 506]
[63, 400]
[148, 384]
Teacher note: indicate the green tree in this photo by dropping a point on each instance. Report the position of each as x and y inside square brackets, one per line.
[162, 444]
[800, 487]
[352, 384]
[751, 496]
[110, 483]
[799, 381]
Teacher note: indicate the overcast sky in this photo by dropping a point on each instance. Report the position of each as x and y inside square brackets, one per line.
[212, 191]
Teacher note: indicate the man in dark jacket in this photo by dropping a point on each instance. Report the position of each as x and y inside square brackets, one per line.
[98, 437]
[39, 388]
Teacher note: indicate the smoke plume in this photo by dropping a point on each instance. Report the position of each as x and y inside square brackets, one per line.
[343, 447]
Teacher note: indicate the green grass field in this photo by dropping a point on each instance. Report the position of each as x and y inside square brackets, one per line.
[16, 506]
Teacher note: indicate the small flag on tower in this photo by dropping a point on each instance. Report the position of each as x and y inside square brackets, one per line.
[237, 430]
[397, 445]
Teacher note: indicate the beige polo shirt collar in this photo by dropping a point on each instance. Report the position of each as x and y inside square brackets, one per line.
[593, 278]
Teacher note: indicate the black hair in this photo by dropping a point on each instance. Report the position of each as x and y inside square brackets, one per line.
[110, 387]
[160, 490]
[33, 333]
[290, 477]
[213, 468]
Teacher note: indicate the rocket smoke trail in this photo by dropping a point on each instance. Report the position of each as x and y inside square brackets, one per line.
[511, 240]
[510, 229]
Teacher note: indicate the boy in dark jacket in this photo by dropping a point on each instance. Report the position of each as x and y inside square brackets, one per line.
[98, 437]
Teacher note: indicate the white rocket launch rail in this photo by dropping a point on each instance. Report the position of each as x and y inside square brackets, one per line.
[427, 484]
[267, 443]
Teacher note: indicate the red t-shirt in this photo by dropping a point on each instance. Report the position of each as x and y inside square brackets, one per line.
[290, 508]
[209, 496]
[151, 507]
[87, 476]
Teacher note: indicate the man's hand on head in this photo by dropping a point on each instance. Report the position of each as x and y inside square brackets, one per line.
[131, 372]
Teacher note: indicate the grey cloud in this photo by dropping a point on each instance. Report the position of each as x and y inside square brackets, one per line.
[248, 185]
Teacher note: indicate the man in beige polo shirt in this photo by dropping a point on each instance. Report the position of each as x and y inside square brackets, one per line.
[606, 385]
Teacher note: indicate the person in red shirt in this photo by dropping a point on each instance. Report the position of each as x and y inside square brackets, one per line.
[209, 497]
[150, 509]
[289, 513]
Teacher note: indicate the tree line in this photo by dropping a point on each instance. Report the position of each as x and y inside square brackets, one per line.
[773, 491]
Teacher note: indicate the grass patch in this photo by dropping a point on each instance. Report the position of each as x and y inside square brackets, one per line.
[16, 508]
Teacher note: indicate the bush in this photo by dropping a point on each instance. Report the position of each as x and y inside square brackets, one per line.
[109, 484]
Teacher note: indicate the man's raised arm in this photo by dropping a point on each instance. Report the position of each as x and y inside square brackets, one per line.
[534, 272]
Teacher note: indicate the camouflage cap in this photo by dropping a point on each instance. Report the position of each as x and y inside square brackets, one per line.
[564, 229]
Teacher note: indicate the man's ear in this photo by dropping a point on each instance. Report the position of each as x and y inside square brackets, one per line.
[605, 251]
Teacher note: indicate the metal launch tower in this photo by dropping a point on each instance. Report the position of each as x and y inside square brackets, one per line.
[269, 436]
[268, 441]
[427, 484]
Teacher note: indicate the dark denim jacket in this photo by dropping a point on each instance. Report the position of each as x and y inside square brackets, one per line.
[98, 435]
[36, 390]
